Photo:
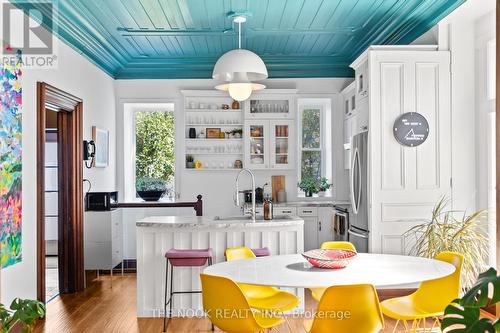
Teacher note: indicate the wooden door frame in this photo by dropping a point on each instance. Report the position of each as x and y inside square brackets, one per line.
[70, 235]
[497, 148]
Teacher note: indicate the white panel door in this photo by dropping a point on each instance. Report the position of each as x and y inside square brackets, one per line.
[407, 181]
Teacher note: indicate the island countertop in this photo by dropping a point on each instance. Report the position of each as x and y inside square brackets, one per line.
[158, 234]
[212, 222]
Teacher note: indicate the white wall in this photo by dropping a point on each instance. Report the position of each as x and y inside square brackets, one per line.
[79, 77]
[216, 187]
[457, 34]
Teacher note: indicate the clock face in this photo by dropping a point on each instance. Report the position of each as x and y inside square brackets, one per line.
[411, 129]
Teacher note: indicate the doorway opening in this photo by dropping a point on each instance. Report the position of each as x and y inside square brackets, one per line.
[59, 193]
[51, 206]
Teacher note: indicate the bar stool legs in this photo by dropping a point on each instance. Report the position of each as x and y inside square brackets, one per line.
[172, 292]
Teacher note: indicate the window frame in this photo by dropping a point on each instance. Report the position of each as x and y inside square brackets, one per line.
[129, 146]
[322, 145]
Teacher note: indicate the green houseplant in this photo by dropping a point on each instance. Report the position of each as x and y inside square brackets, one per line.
[21, 316]
[151, 189]
[463, 314]
[324, 185]
[309, 186]
[189, 162]
[452, 231]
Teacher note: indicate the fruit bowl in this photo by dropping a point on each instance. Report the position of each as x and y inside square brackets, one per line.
[329, 258]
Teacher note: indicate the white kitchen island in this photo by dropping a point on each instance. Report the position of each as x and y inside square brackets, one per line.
[156, 235]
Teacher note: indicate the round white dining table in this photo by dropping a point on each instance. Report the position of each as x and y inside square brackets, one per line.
[379, 270]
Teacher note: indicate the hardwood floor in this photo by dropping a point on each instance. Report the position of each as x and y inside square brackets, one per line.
[102, 309]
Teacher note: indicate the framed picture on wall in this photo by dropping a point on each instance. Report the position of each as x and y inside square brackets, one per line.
[101, 140]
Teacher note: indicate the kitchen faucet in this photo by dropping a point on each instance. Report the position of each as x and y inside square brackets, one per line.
[253, 191]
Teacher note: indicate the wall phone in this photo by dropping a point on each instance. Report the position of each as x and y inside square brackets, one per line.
[88, 153]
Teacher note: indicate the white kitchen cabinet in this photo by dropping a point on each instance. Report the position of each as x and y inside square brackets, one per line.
[362, 81]
[269, 144]
[311, 237]
[311, 227]
[325, 224]
[349, 128]
[271, 104]
[404, 182]
[349, 99]
[103, 239]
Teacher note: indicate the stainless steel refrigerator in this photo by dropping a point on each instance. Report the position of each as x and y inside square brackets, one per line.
[358, 232]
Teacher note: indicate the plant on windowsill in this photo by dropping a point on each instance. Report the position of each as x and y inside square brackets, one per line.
[151, 189]
[309, 186]
[324, 186]
[463, 314]
[453, 231]
[189, 162]
[21, 316]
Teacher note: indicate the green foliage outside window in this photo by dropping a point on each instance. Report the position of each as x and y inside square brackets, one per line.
[311, 129]
[311, 144]
[155, 137]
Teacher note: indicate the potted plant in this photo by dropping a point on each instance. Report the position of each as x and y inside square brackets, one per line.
[463, 314]
[309, 186]
[324, 186]
[151, 189]
[453, 231]
[21, 316]
[237, 133]
[189, 162]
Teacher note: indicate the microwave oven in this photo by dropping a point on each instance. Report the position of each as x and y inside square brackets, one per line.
[98, 201]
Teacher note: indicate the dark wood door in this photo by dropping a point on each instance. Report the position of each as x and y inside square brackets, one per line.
[70, 188]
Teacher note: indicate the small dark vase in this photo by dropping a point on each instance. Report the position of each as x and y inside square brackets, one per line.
[150, 195]
[192, 133]
[309, 194]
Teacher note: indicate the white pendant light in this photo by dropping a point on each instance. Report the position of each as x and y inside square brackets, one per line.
[238, 68]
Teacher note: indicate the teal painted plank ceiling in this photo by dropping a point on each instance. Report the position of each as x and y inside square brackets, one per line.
[141, 39]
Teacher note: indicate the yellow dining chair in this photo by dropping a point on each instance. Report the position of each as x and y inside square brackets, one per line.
[430, 299]
[351, 308]
[228, 309]
[339, 245]
[264, 298]
[316, 293]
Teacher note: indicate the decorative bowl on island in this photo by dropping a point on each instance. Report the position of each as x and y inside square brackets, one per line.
[329, 258]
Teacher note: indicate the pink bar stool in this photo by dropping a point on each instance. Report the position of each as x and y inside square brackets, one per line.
[184, 258]
[261, 252]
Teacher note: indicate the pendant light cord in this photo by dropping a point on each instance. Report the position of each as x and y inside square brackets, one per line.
[239, 35]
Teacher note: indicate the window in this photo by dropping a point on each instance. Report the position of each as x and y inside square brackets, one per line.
[149, 147]
[311, 155]
[315, 158]
[154, 146]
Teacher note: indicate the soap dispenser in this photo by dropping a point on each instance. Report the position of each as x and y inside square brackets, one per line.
[268, 208]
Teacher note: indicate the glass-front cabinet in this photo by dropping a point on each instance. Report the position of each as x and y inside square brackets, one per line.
[269, 144]
[270, 106]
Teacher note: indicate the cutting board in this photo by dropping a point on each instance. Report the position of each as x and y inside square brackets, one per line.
[277, 183]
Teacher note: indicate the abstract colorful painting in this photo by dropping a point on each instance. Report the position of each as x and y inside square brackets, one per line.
[10, 163]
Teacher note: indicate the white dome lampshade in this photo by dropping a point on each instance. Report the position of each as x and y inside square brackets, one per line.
[239, 61]
[240, 88]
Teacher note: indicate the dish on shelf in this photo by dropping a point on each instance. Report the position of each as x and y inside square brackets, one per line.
[329, 258]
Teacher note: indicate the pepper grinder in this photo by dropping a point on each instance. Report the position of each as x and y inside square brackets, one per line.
[268, 208]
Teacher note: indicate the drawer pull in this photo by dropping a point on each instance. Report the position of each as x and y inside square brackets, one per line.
[287, 211]
[307, 211]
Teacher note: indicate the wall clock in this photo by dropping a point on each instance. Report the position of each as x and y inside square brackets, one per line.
[411, 129]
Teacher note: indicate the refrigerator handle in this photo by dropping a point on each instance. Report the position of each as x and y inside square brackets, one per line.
[356, 234]
[351, 182]
[355, 158]
[360, 180]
